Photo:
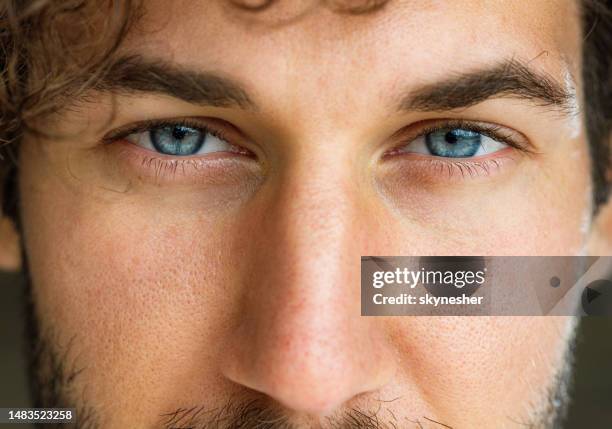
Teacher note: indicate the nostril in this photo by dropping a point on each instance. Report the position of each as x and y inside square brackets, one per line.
[252, 5]
[308, 376]
[306, 394]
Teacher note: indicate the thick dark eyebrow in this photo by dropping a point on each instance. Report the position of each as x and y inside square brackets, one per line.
[509, 79]
[135, 74]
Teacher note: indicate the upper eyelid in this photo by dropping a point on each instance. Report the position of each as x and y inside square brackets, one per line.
[200, 124]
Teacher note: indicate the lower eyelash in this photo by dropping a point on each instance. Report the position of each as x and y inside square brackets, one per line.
[142, 166]
[163, 167]
[450, 167]
[465, 169]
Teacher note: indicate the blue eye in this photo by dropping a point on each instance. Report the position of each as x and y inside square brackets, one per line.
[179, 140]
[454, 143]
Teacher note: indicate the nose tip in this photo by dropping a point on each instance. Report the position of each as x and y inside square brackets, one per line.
[313, 372]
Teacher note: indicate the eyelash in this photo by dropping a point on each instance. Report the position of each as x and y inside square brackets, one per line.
[496, 132]
[149, 125]
[434, 166]
[464, 166]
[167, 167]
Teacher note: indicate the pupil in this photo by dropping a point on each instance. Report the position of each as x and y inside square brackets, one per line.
[451, 137]
[178, 133]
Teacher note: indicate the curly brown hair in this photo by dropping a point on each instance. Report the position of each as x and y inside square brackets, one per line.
[52, 50]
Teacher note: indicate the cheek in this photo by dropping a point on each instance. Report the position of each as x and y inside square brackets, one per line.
[489, 365]
[136, 288]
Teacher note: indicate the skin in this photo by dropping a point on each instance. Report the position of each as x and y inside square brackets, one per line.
[9, 251]
[238, 277]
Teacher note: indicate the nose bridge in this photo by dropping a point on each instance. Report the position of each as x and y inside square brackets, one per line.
[312, 208]
[302, 341]
[316, 208]
[311, 236]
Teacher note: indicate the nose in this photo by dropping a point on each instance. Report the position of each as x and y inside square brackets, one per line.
[300, 338]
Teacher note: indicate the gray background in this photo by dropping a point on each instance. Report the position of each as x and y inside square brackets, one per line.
[591, 408]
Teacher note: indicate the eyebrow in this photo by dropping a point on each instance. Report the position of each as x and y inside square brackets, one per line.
[138, 74]
[509, 79]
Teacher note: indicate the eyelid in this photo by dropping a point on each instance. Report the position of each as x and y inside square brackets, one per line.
[497, 132]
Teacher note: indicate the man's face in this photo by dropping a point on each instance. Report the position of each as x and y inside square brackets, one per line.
[213, 258]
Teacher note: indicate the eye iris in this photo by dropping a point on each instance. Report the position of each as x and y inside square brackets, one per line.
[177, 140]
[453, 143]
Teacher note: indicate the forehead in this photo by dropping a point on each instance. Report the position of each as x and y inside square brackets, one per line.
[219, 29]
[307, 48]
